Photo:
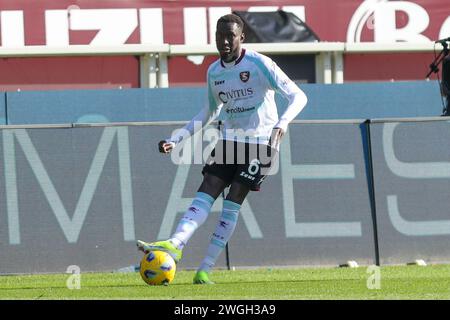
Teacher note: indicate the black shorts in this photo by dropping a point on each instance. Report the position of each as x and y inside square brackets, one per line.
[246, 163]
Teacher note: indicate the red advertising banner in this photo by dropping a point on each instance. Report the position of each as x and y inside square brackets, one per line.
[112, 22]
[48, 22]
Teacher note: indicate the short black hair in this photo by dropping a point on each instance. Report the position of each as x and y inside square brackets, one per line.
[231, 18]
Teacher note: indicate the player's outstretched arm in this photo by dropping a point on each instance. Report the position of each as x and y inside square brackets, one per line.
[207, 114]
[275, 138]
[281, 83]
[165, 147]
[203, 118]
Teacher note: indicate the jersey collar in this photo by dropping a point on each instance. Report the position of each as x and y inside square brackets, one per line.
[235, 61]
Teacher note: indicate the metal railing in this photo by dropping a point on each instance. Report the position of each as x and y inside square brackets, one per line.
[154, 58]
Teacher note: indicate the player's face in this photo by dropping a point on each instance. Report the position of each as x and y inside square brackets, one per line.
[228, 41]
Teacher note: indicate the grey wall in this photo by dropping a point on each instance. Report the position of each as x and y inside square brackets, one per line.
[316, 210]
[102, 106]
[2, 108]
[412, 185]
[372, 100]
[82, 195]
[337, 101]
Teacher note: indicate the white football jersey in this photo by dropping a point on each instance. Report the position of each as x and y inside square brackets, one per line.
[244, 91]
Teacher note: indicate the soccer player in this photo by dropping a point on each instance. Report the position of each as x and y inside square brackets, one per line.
[242, 83]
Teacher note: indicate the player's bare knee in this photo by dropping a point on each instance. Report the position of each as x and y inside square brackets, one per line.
[212, 185]
[238, 192]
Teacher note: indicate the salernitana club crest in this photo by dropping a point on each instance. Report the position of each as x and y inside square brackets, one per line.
[244, 75]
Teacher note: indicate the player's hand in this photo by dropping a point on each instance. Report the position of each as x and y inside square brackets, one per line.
[165, 147]
[275, 138]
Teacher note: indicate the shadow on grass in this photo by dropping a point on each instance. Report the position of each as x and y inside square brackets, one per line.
[178, 284]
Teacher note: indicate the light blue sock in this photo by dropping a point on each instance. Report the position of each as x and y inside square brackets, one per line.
[193, 218]
[222, 234]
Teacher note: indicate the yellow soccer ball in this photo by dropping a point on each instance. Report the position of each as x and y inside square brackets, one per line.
[157, 268]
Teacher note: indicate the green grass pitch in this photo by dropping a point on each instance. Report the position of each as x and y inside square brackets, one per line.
[396, 282]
